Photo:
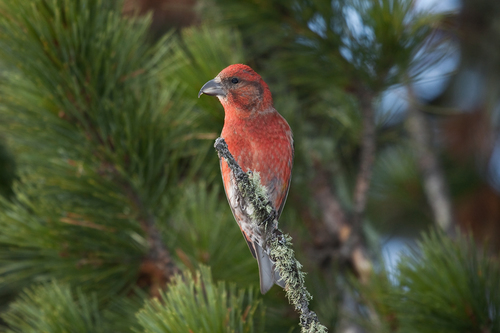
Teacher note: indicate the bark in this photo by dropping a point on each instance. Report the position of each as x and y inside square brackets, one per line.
[367, 158]
[340, 236]
[434, 182]
[337, 237]
[157, 267]
[355, 245]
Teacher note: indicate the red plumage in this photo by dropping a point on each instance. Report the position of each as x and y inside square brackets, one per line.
[261, 141]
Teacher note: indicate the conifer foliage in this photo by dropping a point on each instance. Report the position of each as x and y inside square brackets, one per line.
[443, 285]
[104, 142]
[222, 309]
[116, 220]
[77, 110]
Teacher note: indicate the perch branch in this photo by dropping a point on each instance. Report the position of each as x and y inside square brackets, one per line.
[279, 244]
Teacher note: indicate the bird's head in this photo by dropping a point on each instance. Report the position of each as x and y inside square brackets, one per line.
[239, 88]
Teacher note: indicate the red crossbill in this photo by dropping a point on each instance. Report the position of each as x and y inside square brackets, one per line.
[260, 140]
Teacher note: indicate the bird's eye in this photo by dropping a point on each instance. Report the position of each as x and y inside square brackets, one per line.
[235, 80]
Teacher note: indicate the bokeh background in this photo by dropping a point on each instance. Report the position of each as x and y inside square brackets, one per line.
[112, 213]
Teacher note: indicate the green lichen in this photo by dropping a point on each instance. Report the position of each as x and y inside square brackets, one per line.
[258, 197]
[277, 243]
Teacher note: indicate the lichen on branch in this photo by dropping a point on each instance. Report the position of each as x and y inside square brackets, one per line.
[277, 243]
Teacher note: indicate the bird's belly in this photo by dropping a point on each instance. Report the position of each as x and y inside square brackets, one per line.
[242, 210]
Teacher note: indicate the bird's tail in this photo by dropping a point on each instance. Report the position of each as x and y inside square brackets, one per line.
[268, 273]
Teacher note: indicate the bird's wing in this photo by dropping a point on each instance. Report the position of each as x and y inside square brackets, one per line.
[242, 213]
[236, 204]
[278, 186]
[284, 196]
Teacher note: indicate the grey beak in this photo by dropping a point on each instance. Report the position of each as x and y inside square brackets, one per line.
[212, 88]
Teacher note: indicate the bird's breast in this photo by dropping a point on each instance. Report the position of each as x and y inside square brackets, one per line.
[263, 146]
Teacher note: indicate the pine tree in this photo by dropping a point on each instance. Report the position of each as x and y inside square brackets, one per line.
[108, 151]
[116, 220]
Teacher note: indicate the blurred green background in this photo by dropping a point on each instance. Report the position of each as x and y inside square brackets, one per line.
[109, 183]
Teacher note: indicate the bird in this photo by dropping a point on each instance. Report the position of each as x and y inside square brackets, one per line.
[261, 141]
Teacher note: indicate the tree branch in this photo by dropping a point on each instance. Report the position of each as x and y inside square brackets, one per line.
[354, 248]
[334, 216]
[158, 260]
[157, 266]
[336, 238]
[278, 244]
[343, 231]
[367, 158]
[433, 178]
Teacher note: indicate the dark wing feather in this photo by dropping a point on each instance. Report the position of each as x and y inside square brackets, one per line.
[282, 205]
